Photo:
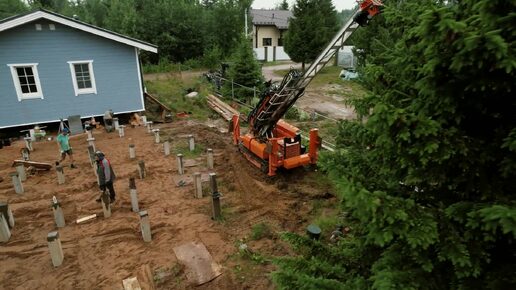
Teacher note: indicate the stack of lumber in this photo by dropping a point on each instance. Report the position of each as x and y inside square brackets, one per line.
[225, 110]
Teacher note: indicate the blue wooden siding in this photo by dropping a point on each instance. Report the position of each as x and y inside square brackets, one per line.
[114, 65]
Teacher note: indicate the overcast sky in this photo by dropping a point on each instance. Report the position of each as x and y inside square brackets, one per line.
[269, 4]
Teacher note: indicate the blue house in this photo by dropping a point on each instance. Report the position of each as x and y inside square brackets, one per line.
[52, 67]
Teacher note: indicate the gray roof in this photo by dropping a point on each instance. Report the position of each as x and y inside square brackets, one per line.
[278, 18]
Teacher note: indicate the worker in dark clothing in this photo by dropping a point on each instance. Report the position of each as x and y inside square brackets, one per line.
[106, 175]
[108, 120]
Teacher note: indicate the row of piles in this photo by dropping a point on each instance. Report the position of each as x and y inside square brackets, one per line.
[54, 243]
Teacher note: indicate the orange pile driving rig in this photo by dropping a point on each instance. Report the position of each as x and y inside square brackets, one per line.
[272, 143]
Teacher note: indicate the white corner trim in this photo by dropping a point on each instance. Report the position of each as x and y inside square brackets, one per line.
[16, 81]
[93, 89]
[140, 77]
[61, 20]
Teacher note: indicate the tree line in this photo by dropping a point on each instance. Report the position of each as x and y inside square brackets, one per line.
[183, 29]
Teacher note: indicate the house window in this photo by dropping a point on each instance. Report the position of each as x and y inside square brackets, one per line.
[26, 81]
[280, 41]
[267, 41]
[83, 78]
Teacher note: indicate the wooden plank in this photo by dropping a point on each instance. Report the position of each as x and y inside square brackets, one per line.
[221, 112]
[131, 284]
[232, 111]
[86, 218]
[153, 99]
[38, 165]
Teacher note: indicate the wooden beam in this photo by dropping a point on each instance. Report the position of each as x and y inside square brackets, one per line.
[155, 100]
[86, 218]
[38, 165]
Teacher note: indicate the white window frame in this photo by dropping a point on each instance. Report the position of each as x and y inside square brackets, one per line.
[22, 96]
[93, 89]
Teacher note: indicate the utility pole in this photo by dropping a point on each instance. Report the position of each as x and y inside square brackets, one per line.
[245, 23]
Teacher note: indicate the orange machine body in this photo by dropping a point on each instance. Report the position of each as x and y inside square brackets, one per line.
[284, 150]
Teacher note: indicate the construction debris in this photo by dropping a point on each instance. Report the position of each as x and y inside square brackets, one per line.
[164, 111]
[131, 284]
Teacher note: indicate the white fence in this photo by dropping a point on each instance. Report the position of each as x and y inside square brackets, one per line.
[345, 56]
[271, 53]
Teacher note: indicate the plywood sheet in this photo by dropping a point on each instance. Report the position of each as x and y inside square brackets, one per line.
[200, 267]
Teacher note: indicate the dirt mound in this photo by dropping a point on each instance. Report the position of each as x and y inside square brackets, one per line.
[101, 253]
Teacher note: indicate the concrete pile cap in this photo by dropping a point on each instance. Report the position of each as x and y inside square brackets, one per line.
[52, 236]
[155, 130]
[143, 213]
[131, 145]
[90, 139]
[13, 174]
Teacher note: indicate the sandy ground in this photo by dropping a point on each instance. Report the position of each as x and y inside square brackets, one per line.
[101, 253]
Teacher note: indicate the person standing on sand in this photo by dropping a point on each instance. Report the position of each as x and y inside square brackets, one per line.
[106, 175]
[64, 144]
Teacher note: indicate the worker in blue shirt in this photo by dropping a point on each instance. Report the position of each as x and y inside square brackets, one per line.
[64, 144]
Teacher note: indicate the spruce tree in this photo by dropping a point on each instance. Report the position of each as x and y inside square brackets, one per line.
[428, 174]
[283, 5]
[12, 7]
[314, 24]
[244, 71]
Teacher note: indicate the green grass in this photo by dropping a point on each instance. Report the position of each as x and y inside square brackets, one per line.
[260, 231]
[327, 223]
[328, 129]
[172, 93]
[330, 75]
[277, 62]
[185, 150]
